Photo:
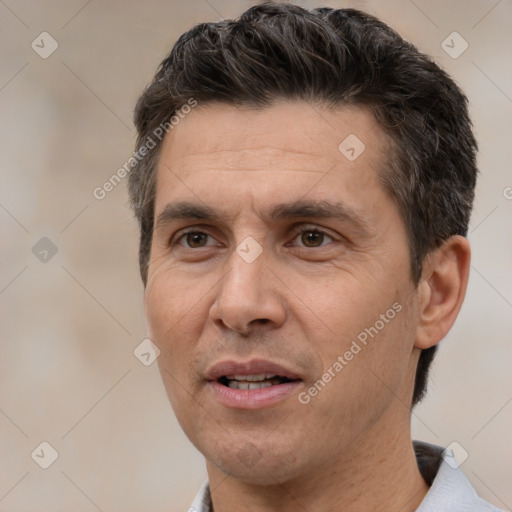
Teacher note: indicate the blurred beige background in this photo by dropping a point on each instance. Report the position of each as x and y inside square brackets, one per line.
[71, 320]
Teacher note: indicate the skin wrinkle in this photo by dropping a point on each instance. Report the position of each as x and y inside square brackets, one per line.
[206, 309]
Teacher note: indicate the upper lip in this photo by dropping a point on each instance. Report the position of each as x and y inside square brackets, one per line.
[251, 367]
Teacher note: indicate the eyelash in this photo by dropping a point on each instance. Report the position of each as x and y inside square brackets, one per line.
[295, 233]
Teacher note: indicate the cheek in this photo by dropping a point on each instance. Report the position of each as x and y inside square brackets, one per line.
[169, 297]
[175, 312]
[343, 305]
[175, 315]
[376, 368]
[368, 327]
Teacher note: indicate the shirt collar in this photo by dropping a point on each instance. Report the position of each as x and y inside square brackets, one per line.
[450, 490]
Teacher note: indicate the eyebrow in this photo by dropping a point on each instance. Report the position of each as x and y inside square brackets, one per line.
[318, 209]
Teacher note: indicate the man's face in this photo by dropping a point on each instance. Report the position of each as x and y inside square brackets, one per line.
[264, 282]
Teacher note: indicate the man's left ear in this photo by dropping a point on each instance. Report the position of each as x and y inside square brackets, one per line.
[441, 290]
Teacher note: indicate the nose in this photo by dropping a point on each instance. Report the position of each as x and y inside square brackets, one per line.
[248, 297]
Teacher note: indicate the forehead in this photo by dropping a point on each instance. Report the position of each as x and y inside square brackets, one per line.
[286, 150]
[298, 128]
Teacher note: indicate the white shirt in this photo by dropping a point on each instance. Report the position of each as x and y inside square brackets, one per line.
[450, 490]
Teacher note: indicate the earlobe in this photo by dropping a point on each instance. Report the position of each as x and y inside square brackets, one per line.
[442, 290]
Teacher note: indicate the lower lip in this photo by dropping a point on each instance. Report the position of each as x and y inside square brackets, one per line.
[252, 398]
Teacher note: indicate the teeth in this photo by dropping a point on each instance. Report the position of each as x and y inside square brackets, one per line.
[251, 378]
[235, 384]
[256, 381]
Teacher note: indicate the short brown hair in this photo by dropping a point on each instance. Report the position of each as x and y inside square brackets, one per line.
[336, 57]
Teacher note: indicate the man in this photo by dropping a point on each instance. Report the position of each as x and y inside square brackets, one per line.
[303, 183]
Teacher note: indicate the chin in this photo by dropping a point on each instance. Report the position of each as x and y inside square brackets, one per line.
[255, 465]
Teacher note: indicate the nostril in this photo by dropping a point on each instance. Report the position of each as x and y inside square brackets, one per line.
[261, 321]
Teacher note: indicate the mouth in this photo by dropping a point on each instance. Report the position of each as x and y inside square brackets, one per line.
[253, 384]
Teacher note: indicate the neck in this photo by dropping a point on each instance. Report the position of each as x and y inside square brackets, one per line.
[378, 473]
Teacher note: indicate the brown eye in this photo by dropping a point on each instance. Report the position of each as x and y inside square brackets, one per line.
[193, 240]
[312, 238]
